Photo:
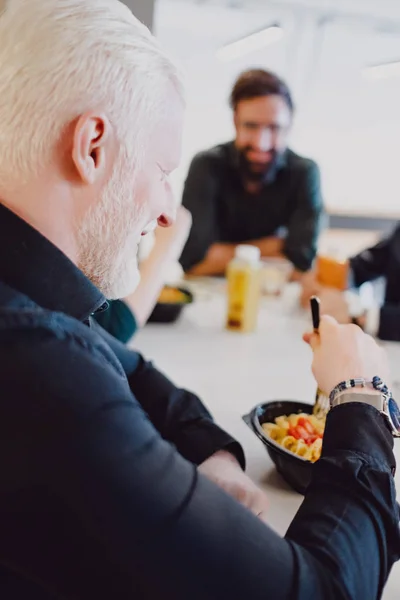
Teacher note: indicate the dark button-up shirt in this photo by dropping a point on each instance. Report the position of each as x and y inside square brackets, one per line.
[118, 320]
[62, 378]
[382, 260]
[100, 497]
[289, 204]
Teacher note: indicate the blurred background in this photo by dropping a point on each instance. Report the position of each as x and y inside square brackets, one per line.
[341, 59]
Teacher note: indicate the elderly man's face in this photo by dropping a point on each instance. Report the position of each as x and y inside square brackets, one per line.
[129, 207]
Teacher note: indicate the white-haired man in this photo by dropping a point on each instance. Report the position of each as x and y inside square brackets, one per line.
[105, 465]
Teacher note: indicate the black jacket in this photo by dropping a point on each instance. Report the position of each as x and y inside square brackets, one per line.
[100, 497]
[383, 260]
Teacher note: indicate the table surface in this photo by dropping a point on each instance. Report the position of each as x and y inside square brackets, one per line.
[232, 372]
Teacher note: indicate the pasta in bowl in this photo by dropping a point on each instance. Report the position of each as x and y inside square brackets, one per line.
[301, 434]
[271, 422]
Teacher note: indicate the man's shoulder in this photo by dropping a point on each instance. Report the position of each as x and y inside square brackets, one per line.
[301, 164]
[38, 339]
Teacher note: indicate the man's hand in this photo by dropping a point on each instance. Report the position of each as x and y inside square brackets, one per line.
[333, 301]
[216, 261]
[343, 352]
[224, 470]
[334, 304]
[220, 254]
[269, 246]
[309, 287]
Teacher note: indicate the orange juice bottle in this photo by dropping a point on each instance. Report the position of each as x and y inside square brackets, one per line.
[332, 272]
[244, 289]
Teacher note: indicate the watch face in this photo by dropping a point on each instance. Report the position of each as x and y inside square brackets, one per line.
[394, 414]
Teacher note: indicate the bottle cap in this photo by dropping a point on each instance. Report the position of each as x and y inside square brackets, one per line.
[247, 253]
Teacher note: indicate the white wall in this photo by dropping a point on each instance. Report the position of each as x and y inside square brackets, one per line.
[350, 126]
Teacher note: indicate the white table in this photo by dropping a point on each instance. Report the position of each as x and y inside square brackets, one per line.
[232, 372]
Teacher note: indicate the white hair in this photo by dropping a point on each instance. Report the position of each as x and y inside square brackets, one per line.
[61, 58]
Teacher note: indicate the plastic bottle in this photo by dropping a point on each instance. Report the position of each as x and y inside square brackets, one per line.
[244, 287]
[332, 269]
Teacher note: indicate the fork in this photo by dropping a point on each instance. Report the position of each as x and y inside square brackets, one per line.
[322, 403]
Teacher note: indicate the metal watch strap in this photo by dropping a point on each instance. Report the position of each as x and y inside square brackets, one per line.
[375, 400]
[359, 382]
[383, 401]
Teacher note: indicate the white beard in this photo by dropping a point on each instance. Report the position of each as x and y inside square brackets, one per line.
[109, 236]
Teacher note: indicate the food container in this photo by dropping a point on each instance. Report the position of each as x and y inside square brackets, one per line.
[295, 470]
[169, 312]
[275, 273]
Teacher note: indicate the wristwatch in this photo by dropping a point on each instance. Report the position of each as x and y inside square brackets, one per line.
[384, 401]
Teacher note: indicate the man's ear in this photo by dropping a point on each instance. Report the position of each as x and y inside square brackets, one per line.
[90, 143]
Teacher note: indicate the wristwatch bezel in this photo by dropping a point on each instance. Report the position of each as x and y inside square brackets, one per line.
[386, 405]
[392, 413]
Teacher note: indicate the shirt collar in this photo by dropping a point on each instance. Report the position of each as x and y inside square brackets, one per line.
[32, 265]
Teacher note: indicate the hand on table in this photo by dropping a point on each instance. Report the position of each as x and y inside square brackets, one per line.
[224, 470]
[343, 352]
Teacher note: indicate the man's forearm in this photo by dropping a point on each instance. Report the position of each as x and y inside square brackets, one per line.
[356, 531]
[215, 263]
[143, 299]
[180, 416]
[219, 255]
[269, 246]
[371, 263]
[298, 276]
[341, 544]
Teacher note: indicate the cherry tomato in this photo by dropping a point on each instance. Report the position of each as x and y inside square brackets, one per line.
[294, 433]
[304, 422]
[303, 433]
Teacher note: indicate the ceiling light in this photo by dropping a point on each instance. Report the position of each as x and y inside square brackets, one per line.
[385, 71]
[250, 43]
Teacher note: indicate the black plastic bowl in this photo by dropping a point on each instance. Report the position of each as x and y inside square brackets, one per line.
[295, 470]
[169, 312]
